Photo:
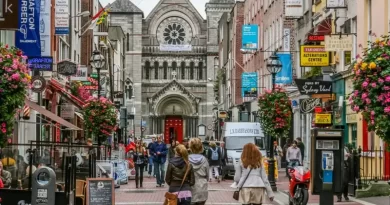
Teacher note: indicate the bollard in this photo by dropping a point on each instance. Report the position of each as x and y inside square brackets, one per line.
[43, 187]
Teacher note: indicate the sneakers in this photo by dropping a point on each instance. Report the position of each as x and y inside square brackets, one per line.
[158, 185]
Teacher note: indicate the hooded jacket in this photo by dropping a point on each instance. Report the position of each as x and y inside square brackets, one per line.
[201, 171]
[176, 171]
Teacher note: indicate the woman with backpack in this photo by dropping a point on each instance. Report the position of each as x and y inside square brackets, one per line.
[214, 157]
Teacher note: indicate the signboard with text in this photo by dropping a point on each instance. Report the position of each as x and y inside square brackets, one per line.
[61, 18]
[66, 68]
[250, 37]
[313, 56]
[285, 75]
[9, 11]
[27, 37]
[310, 87]
[323, 119]
[81, 74]
[334, 4]
[286, 39]
[249, 84]
[315, 38]
[43, 63]
[100, 191]
[338, 43]
[293, 8]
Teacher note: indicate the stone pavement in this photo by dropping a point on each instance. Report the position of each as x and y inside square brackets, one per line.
[219, 194]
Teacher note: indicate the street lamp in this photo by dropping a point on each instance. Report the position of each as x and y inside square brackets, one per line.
[97, 61]
[274, 65]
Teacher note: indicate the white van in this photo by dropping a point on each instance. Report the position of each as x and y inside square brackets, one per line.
[236, 135]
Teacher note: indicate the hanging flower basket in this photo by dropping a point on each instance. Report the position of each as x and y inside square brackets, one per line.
[14, 82]
[275, 112]
[100, 116]
[371, 84]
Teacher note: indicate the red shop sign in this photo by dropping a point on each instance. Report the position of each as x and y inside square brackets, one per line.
[316, 38]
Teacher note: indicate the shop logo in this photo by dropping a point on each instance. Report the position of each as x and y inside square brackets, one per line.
[309, 104]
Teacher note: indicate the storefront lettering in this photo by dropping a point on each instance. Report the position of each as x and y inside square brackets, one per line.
[308, 105]
[243, 130]
[321, 88]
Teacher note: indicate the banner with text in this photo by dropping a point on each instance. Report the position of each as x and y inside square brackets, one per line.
[293, 8]
[334, 4]
[27, 37]
[250, 37]
[338, 43]
[285, 75]
[61, 21]
[312, 56]
[310, 87]
[286, 40]
[249, 84]
[44, 27]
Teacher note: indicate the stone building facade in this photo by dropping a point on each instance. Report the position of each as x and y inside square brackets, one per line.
[169, 59]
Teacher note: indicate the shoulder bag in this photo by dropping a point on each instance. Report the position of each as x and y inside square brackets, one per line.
[236, 194]
[171, 198]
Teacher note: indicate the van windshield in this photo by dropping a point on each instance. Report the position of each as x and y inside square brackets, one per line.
[238, 142]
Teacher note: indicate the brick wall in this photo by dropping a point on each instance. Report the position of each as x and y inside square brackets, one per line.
[238, 21]
[87, 38]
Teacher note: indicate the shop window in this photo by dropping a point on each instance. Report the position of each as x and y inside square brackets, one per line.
[165, 66]
[353, 128]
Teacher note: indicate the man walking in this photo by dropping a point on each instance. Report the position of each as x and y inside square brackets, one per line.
[345, 180]
[294, 153]
[150, 157]
[159, 152]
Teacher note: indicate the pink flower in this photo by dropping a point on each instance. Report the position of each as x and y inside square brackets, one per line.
[3, 124]
[3, 130]
[373, 85]
[364, 84]
[15, 76]
[364, 95]
[372, 112]
[380, 81]
[387, 79]
[356, 93]
[387, 109]
[368, 101]
[268, 91]
[386, 87]
[356, 108]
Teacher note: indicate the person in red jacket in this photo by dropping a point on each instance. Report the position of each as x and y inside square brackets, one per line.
[1, 184]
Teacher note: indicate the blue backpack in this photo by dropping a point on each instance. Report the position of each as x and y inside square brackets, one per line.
[214, 154]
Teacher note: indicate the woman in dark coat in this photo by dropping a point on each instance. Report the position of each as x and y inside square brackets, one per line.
[177, 168]
[214, 157]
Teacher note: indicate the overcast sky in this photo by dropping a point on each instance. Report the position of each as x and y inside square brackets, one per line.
[147, 5]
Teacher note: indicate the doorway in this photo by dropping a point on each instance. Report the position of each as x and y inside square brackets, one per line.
[173, 129]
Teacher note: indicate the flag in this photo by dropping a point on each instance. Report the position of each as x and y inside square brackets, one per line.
[97, 19]
[129, 147]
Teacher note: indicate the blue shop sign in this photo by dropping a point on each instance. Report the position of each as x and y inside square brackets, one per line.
[250, 37]
[44, 63]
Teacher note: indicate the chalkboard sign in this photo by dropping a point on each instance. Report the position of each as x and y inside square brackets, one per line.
[100, 191]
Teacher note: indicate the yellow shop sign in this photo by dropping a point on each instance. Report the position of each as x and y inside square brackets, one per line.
[312, 56]
[323, 119]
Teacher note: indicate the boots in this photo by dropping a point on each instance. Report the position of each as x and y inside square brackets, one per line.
[136, 182]
[140, 182]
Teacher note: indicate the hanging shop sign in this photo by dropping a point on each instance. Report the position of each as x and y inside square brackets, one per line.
[334, 4]
[81, 74]
[9, 11]
[315, 38]
[250, 37]
[249, 84]
[338, 43]
[66, 68]
[61, 17]
[293, 9]
[312, 56]
[67, 111]
[27, 37]
[323, 119]
[38, 84]
[284, 77]
[43, 63]
[286, 40]
[310, 87]
[309, 104]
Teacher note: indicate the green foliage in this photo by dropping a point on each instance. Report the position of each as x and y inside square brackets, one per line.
[314, 72]
[14, 82]
[275, 113]
[371, 84]
[100, 117]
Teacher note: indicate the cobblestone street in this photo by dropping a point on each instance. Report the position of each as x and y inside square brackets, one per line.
[219, 193]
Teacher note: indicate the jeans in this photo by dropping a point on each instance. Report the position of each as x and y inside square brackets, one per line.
[139, 174]
[216, 171]
[184, 201]
[150, 159]
[159, 171]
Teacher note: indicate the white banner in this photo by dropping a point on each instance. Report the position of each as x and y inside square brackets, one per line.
[45, 27]
[338, 43]
[286, 39]
[331, 4]
[61, 19]
[81, 75]
[169, 47]
[294, 8]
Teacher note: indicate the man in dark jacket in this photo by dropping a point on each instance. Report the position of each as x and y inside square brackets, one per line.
[159, 152]
[301, 146]
[345, 174]
[214, 157]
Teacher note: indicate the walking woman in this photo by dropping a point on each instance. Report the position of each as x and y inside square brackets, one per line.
[178, 169]
[201, 172]
[140, 158]
[214, 157]
[251, 177]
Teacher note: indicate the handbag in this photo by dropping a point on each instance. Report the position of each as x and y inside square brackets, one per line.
[171, 198]
[236, 194]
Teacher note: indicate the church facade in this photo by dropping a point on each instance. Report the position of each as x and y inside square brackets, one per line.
[169, 57]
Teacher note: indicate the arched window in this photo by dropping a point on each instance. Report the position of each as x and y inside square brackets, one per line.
[128, 42]
[165, 65]
[174, 66]
[183, 70]
[156, 70]
[200, 70]
[192, 65]
[147, 70]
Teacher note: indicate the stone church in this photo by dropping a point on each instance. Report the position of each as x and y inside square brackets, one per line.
[170, 60]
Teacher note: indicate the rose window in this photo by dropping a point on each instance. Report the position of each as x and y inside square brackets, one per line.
[174, 34]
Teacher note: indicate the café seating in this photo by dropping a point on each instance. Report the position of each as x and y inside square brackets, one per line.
[80, 190]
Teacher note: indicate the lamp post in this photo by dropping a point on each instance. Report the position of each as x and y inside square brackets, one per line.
[97, 61]
[274, 65]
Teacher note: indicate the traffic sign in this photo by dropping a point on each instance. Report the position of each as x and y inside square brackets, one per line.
[9, 18]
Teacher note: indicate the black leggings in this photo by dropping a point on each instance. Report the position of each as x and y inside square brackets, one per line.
[139, 174]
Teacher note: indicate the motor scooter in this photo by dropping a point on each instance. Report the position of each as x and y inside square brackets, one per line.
[291, 165]
[299, 185]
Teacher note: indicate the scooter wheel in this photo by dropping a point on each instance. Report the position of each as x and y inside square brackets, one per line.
[290, 200]
[305, 196]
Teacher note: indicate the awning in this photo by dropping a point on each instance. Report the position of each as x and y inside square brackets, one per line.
[73, 99]
[79, 115]
[321, 29]
[50, 115]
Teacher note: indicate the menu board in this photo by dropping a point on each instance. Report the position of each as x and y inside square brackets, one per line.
[100, 191]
